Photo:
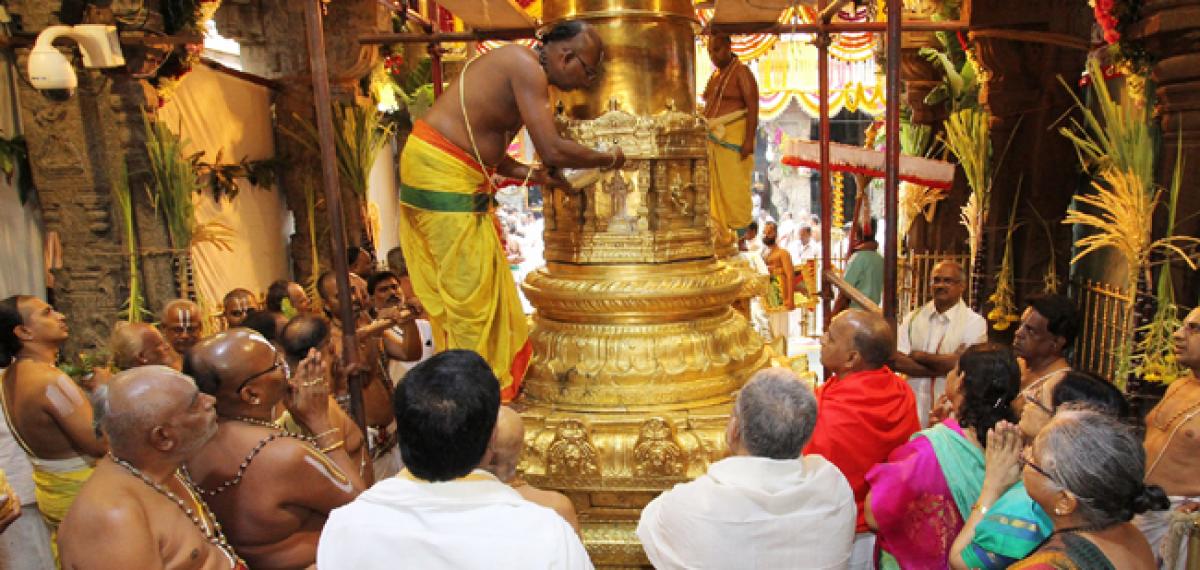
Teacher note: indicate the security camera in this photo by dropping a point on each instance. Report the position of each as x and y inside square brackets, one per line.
[49, 69]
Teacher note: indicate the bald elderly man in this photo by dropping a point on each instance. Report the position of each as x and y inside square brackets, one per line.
[506, 454]
[139, 344]
[137, 511]
[864, 410]
[271, 490]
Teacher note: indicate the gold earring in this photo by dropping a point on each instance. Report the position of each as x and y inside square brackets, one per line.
[254, 400]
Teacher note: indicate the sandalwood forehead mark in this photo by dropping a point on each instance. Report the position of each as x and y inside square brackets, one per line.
[184, 316]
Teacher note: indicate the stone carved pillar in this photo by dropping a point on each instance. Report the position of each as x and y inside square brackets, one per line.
[1170, 30]
[1021, 91]
[272, 36]
[75, 147]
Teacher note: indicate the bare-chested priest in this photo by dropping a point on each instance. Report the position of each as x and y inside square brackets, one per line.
[447, 224]
[779, 300]
[137, 511]
[376, 388]
[731, 107]
[1173, 443]
[49, 414]
[271, 491]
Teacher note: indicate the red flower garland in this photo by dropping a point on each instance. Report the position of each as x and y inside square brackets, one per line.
[1107, 20]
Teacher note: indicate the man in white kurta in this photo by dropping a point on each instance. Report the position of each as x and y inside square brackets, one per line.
[472, 522]
[442, 510]
[931, 337]
[765, 506]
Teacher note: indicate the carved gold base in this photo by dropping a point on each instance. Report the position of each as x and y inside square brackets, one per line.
[612, 464]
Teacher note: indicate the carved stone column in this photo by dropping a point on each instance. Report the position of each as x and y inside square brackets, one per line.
[76, 146]
[1170, 30]
[271, 35]
[1022, 92]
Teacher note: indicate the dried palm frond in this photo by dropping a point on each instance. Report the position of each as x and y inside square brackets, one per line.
[134, 308]
[217, 234]
[310, 208]
[359, 134]
[1154, 357]
[968, 137]
[1004, 309]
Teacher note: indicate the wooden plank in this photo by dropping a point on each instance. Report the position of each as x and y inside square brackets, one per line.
[489, 14]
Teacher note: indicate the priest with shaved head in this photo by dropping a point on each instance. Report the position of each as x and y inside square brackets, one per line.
[138, 510]
[270, 489]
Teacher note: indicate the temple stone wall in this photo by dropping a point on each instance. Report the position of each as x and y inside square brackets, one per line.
[77, 147]
[274, 45]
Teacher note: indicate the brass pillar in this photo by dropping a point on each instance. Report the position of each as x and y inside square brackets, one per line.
[637, 351]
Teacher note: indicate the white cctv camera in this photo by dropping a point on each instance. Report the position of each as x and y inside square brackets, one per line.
[49, 69]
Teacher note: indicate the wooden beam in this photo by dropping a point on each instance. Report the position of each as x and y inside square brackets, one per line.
[323, 101]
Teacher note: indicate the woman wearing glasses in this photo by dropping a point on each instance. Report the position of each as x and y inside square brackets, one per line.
[921, 496]
[1005, 523]
[1085, 469]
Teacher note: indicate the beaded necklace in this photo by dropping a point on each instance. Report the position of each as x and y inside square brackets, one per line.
[212, 534]
[241, 468]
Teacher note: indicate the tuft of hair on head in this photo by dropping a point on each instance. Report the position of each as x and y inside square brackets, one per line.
[10, 319]
[277, 291]
[776, 413]
[265, 323]
[561, 32]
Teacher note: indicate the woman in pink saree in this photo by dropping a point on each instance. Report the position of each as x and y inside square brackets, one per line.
[921, 496]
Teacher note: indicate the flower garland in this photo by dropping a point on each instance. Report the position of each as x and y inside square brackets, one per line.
[1115, 17]
[181, 16]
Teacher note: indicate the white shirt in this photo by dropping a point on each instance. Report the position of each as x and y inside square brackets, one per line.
[753, 512]
[474, 522]
[927, 330]
[802, 252]
[398, 368]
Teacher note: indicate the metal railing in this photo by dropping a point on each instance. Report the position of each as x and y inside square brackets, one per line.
[1104, 330]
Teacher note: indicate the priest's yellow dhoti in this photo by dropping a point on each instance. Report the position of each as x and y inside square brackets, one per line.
[729, 173]
[451, 240]
[56, 483]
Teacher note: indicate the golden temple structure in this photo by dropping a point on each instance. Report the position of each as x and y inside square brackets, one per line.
[637, 349]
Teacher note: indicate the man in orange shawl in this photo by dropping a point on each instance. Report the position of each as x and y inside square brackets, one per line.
[448, 228]
[864, 412]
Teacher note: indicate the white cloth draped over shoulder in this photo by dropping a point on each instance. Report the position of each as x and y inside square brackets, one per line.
[753, 512]
[473, 522]
[927, 330]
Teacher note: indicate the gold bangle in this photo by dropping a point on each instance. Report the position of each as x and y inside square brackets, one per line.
[340, 443]
[983, 509]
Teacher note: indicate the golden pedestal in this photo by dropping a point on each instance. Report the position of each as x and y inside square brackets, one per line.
[637, 351]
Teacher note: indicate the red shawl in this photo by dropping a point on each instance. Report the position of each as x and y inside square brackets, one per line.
[861, 418]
